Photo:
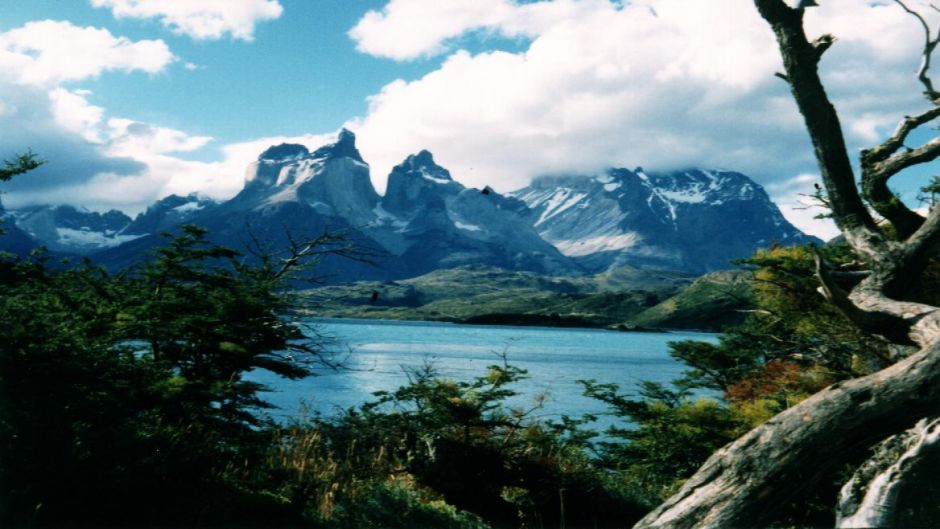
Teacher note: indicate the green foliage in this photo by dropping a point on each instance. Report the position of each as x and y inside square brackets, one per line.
[20, 164]
[670, 435]
[483, 294]
[713, 302]
[124, 400]
[928, 193]
[123, 397]
[460, 448]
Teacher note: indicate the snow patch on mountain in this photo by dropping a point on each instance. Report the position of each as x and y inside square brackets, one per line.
[603, 243]
[467, 227]
[86, 239]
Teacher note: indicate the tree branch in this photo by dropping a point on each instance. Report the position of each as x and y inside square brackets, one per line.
[930, 44]
[880, 163]
[896, 141]
[800, 59]
[885, 323]
[21, 163]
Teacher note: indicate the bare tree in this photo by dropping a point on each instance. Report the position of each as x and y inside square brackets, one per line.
[746, 483]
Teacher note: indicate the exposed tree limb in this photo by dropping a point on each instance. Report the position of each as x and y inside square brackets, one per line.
[800, 445]
[888, 324]
[880, 163]
[896, 141]
[748, 481]
[870, 498]
[930, 44]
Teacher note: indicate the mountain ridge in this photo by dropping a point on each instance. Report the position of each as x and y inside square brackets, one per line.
[694, 220]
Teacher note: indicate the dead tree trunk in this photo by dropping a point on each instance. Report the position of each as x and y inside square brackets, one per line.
[871, 497]
[747, 482]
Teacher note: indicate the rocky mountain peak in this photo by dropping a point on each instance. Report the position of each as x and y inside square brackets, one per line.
[423, 165]
[345, 147]
[284, 152]
[418, 180]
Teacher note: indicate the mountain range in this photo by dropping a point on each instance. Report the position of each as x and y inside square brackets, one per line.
[692, 221]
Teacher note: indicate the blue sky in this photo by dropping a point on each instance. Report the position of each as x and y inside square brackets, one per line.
[301, 72]
[131, 100]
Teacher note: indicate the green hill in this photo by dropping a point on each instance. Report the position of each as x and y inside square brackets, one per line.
[492, 295]
[712, 302]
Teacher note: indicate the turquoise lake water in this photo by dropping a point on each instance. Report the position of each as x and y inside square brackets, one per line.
[376, 354]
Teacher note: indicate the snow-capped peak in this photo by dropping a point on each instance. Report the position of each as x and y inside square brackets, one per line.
[690, 219]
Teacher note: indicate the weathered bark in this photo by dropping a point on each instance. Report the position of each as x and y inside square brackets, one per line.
[870, 498]
[748, 481]
[895, 263]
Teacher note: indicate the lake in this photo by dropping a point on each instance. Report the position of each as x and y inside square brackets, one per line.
[376, 354]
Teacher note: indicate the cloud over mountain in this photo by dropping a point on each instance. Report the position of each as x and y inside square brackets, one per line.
[671, 83]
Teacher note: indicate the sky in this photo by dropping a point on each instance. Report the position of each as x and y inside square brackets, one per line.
[132, 100]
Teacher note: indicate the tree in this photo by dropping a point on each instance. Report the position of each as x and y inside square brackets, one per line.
[20, 164]
[751, 479]
[126, 399]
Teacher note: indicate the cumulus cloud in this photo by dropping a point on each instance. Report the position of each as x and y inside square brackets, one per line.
[96, 162]
[50, 52]
[662, 83]
[38, 111]
[200, 19]
[794, 196]
[34, 119]
[93, 159]
[658, 83]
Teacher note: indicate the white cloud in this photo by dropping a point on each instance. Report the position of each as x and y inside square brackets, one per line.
[75, 114]
[64, 129]
[662, 83]
[137, 140]
[200, 19]
[409, 29]
[794, 196]
[49, 52]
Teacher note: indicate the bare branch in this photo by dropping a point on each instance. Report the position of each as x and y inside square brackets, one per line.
[823, 43]
[887, 324]
[882, 162]
[930, 43]
[875, 178]
[896, 141]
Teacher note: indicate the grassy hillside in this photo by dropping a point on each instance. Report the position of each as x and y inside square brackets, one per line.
[483, 294]
[710, 303]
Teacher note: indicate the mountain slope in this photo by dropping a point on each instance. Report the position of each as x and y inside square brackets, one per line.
[426, 221]
[492, 295]
[692, 220]
[65, 229]
[434, 222]
[713, 301]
